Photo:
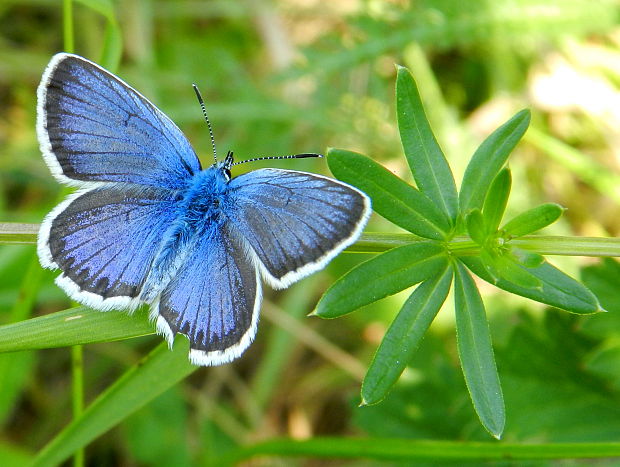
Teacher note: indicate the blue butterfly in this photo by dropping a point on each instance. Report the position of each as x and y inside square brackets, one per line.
[149, 225]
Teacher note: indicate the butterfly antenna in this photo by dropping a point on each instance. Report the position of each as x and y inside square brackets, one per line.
[292, 156]
[204, 112]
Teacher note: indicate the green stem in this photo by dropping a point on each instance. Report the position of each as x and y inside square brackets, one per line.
[408, 450]
[67, 25]
[78, 394]
[377, 242]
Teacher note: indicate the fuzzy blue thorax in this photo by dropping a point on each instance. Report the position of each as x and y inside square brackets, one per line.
[205, 198]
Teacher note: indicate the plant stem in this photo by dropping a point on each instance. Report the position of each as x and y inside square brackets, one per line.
[408, 450]
[67, 26]
[78, 394]
[377, 242]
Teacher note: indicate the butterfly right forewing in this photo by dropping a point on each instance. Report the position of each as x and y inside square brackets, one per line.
[295, 222]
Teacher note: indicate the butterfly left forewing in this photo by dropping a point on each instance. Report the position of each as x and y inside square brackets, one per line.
[94, 127]
[129, 161]
[295, 222]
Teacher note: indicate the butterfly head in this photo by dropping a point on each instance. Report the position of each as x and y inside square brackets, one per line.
[225, 166]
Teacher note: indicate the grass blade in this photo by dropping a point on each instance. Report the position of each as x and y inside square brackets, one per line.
[409, 450]
[160, 370]
[75, 326]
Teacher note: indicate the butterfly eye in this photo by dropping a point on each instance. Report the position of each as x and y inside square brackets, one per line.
[227, 173]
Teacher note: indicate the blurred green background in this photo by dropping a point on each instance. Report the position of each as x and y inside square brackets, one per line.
[283, 77]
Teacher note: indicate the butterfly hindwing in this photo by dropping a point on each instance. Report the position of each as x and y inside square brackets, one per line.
[94, 127]
[295, 222]
[104, 239]
[214, 299]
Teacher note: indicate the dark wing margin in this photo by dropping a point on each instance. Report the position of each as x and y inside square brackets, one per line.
[214, 299]
[93, 127]
[295, 222]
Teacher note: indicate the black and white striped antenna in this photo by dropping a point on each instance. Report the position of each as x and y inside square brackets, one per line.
[204, 112]
[291, 156]
[229, 155]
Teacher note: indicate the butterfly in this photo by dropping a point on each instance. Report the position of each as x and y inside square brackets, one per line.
[148, 225]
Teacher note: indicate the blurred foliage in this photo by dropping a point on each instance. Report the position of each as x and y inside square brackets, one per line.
[281, 77]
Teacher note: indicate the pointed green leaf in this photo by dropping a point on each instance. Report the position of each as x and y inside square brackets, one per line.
[161, 369]
[528, 259]
[75, 326]
[392, 197]
[533, 219]
[511, 271]
[489, 261]
[428, 164]
[476, 227]
[476, 353]
[496, 200]
[488, 160]
[404, 335]
[558, 289]
[383, 275]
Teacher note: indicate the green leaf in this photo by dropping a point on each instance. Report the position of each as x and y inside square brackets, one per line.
[513, 272]
[404, 335]
[529, 259]
[476, 353]
[476, 227]
[428, 164]
[489, 261]
[392, 198]
[161, 369]
[558, 289]
[533, 219]
[488, 160]
[496, 200]
[383, 275]
[75, 326]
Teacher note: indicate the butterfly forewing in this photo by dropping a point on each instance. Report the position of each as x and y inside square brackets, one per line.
[94, 127]
[294, 221]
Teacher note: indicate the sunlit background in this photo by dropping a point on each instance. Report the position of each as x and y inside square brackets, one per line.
[290, 76]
